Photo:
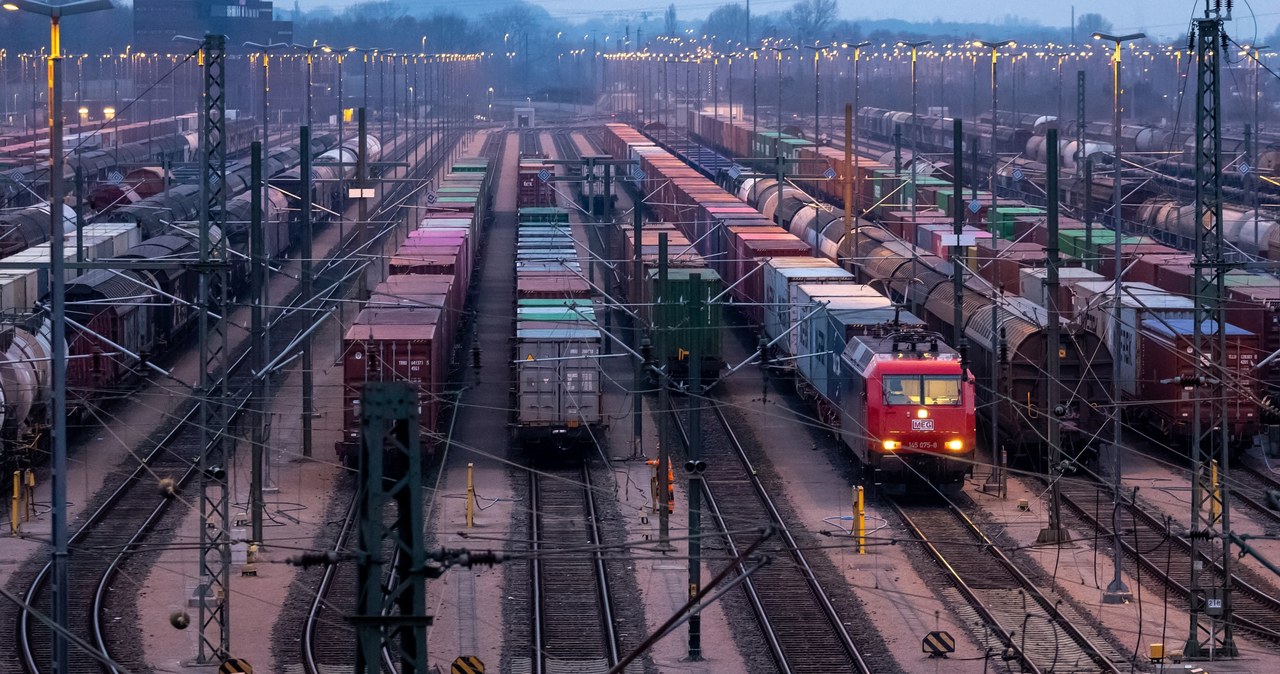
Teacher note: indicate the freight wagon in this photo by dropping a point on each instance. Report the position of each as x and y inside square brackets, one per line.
[558, 338]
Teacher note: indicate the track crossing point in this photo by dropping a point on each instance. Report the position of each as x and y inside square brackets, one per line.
[1244, 168]
[938, 644]
[974, 206]
[1018, 175]
[544, 175]
[467, 664]
[829, 174]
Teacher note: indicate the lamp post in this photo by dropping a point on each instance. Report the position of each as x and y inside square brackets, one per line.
[995, 53]
[310, 52]
[857, 161]
[857, 58]
[1117, 591]
[915, 46]
[755, 91]
[264, 49]
[1255, 52]
[817, 89]
[57, 313]
[778, 52]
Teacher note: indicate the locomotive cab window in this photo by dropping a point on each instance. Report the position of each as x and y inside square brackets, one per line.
[907, 390]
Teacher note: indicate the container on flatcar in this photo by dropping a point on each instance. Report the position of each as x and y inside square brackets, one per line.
[782, 275]
[557, 375]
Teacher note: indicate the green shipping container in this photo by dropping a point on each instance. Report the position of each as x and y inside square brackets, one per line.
[543, 214]
[1002, 220]
[680, 335]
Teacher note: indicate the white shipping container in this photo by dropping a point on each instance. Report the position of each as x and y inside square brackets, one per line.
[781, 275]
[1033, 281]
[1095, 306]
[846, 295]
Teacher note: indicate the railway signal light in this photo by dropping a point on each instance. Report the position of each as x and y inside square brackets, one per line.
[695, 467]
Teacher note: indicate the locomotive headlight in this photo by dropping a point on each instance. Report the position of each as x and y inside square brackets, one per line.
[955, 445]
[891, 445]
[922, 413]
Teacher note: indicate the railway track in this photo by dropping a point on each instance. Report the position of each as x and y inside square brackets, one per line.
[1031, 627]
[796, 616]
[1165, 555]
[115, 532]
[571, 607]
[1249, 486]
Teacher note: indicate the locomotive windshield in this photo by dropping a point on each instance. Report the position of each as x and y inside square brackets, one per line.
[907, 390]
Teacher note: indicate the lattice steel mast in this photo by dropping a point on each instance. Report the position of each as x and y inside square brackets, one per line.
[211, 393]
[1210, 629]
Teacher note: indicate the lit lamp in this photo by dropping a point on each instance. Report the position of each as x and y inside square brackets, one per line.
[108, 113]
[1117, 591]
[84, 115]
[57, 291]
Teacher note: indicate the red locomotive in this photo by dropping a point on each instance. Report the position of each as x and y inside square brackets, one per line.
[908, 408]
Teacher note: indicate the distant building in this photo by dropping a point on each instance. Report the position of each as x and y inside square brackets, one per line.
[155, 22]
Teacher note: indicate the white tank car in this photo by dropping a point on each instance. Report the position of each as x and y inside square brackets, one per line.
[25, 373]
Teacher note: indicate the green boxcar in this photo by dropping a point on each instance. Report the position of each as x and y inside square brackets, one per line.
[681, 334]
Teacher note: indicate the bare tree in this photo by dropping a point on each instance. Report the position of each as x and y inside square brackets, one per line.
[726, 23]
[670, 19]
[810, 18]
[1091, 23]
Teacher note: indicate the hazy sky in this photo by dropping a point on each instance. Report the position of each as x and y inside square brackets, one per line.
[1158, 17]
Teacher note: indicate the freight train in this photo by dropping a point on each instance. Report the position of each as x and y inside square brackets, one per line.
[862, 362]
[558, 338]
[120, 319]
[909, 253]
[409, 328]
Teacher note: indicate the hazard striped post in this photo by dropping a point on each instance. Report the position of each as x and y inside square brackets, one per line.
[467, 664]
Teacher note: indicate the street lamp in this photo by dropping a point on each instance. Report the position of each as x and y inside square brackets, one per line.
[266, 88]
[857, 163]
[817, 89]
[778, 51]
[310, 51]
[57, 312]
[1117, 591]
[915, 126]
[755, 90]
[995, 53]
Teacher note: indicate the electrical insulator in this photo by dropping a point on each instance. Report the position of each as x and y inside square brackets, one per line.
[646, 350]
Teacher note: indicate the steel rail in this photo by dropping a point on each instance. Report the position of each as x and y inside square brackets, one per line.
[801, 562]
[1006, 566]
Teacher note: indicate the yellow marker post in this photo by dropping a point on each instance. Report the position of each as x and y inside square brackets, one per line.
[1215, 501]
[860, 513]
[17, 496]
[471, 495]
[30, 498]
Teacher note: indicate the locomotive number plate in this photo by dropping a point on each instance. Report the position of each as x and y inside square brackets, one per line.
[920, 445]
[922, 424]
